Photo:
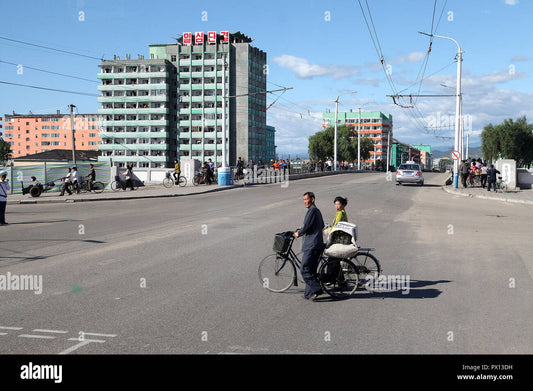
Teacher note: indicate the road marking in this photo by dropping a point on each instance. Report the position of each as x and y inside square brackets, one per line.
[36, 336]
[3, 333]
[50, 331]
[79, 345]
[10, 328]
[100, 335]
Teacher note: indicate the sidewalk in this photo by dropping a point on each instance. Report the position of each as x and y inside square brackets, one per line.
[523, 196]
[148, 191]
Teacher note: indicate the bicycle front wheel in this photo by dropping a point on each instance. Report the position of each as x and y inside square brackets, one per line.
[368, 266]
[168, 182]
[277, 273]
[344, 283]
[97, 187]
[116, 186]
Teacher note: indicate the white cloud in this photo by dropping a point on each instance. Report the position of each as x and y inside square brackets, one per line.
[303, 69]
[511, 2]
[410, 58]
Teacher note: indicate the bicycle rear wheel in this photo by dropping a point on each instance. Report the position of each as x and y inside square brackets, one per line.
[368, 267]
[97, 187]
[344, 284]
[277, 273]
[182, 181]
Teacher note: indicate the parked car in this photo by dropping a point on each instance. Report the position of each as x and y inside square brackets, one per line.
[409, 172]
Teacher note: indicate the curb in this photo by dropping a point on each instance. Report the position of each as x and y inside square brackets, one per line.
[450, 191]
[118, 198]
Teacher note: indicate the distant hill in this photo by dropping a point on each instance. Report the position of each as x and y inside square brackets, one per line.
[474, 152]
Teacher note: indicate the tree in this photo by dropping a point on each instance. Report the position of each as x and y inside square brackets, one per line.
[5, 152]
[509, 140]
[321, 144]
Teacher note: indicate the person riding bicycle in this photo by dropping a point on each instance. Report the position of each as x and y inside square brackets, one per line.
[312, 246]
[92, 176]
[176, 172]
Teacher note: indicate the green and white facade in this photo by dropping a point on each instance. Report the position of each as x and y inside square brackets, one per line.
[170, 105]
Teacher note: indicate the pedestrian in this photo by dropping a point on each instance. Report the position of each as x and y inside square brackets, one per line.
[464, 172]
[91, 176]
[491, 177]
[74, 179]
[4, 187]
[312, 246]
[128, 174]
[66, 183]
[484, 175]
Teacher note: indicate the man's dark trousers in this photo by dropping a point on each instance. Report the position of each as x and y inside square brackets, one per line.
[308, 268]
[312, 247]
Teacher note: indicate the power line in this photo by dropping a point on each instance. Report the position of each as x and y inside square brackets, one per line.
[53, 73]
[54, 49]
[49, 89]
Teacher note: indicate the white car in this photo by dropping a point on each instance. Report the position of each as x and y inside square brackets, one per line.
[409, 172]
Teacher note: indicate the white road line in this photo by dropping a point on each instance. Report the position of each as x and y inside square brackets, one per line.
[79, 345]
[3, 333]
[50, 331]
[36, 336]
[100, 335]
[10, 328]
[72, 348]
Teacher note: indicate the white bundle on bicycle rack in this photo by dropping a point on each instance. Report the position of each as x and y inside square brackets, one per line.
[345, 248]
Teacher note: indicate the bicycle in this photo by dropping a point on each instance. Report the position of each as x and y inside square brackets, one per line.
[201, 178]
[279, 271]
[501, 185]
[169, 181]
[119, 184]
[96, 186]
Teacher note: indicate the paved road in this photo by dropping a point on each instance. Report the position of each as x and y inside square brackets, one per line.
[179, 275]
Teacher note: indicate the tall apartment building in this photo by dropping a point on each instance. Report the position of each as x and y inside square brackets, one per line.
[374, 125]
[138, 119]
[33, 133]
[170, 105]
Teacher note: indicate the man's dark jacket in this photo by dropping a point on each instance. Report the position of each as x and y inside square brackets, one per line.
[312, 228]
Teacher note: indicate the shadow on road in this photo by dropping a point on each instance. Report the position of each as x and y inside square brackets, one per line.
[416, 289]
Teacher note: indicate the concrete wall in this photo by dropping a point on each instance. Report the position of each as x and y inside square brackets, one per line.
[524, 178]
[507, 168]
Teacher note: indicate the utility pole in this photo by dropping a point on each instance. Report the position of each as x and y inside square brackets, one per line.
[224, 172]
[72, 131]
[336, 115]
[359, 142]
[458, 145]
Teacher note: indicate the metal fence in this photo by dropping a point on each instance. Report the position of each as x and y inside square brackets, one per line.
[20, 176]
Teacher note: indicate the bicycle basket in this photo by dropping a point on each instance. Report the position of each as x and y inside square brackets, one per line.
[282, 241]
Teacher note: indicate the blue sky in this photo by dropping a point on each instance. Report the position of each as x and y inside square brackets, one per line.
[320, 49]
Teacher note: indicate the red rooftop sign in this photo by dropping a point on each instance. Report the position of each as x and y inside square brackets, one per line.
[199, 37]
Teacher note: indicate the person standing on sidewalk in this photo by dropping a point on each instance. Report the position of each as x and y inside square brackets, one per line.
[66, 183]
[491, 176]
[484, 170]
[4, 187]
[312, 247]
[464, 172]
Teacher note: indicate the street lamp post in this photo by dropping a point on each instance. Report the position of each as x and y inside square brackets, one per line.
[336, 115]
[458, 145]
